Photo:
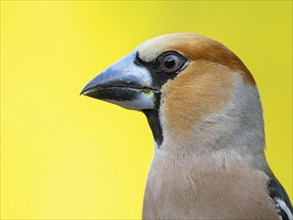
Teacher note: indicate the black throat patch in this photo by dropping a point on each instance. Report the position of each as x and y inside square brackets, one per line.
[159, 78]
[155, 124]
[154, 120]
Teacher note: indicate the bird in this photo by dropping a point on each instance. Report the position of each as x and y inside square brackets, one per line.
[204, 109]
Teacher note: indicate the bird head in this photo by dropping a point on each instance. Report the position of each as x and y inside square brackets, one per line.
[193, 90]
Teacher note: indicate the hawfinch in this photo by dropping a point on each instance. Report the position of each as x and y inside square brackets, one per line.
[205, 113]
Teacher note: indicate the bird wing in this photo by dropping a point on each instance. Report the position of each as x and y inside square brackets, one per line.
[281, 199]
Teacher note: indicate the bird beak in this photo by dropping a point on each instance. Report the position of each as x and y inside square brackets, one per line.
[125, 83]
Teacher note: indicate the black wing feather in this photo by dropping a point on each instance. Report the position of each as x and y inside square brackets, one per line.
[277, 192]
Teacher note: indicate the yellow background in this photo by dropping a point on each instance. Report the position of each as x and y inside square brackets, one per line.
[67, 156]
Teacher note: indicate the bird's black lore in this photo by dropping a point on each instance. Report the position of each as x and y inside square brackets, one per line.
[159, 78]
[277, 193]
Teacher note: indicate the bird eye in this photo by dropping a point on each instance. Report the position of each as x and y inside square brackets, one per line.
[171, 63]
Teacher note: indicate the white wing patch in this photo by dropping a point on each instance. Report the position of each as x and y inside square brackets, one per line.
[282, 209]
